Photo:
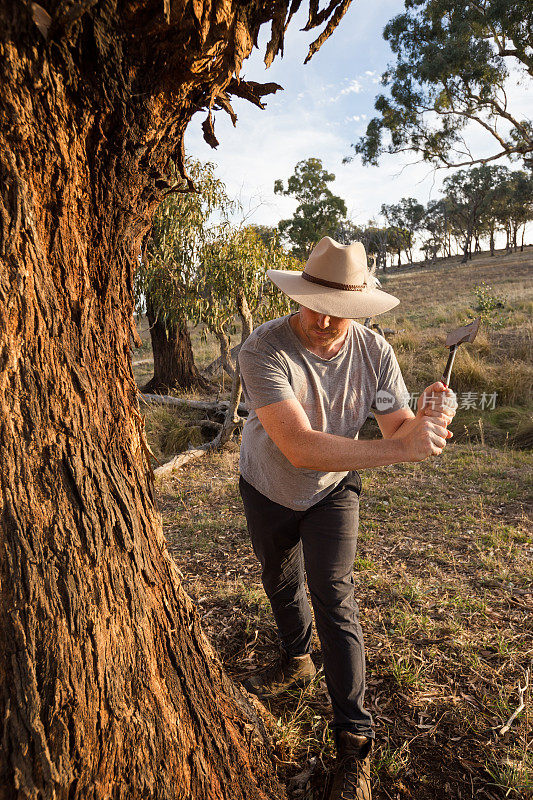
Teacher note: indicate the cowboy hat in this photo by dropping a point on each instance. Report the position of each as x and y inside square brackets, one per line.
[335, 281]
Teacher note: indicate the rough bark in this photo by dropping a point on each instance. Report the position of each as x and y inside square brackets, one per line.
[108, 688]
[174, 366]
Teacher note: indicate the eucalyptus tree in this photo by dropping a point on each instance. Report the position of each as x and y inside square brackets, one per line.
[319, 212]
[348, 232]
[437, 222]
[397, 240]
[469, 194]
[452, 62]
[406, 217]
[376, 240]
[231, 282]
[515, 206]
[167, 273]
[108, 686]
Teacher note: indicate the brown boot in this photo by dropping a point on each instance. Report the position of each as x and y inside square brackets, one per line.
[287, 672]
[350, 780]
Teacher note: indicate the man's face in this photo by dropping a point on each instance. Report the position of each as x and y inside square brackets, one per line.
[321, 329]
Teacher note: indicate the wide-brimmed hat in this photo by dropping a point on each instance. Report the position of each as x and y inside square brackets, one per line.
[335, 281]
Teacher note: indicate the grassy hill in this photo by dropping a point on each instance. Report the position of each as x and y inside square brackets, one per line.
[444, 567]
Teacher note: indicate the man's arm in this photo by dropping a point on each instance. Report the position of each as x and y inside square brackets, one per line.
[289, 428]
[390, 424]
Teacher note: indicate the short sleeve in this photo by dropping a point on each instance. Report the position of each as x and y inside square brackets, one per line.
[391, 393]
[264, 376]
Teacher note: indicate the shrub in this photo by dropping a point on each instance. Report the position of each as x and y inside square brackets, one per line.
[487, 300]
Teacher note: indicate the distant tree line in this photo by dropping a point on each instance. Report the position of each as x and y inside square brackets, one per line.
[476, 204]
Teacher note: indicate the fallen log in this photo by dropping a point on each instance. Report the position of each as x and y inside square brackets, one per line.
[209, 424]
[201, 405]
[183, 458]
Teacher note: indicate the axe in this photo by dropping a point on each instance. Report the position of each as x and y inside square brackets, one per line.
[459, 336]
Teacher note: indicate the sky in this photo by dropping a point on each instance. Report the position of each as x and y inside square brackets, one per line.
[324, 107]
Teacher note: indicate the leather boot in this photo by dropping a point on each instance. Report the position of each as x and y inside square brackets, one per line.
[350, 779]
[287, 672]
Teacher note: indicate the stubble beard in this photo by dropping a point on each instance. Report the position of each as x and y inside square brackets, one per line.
[319, 337]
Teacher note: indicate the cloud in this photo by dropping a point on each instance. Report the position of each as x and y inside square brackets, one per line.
[353, 87]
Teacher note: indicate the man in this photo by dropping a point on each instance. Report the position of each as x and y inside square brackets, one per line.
[310, 380]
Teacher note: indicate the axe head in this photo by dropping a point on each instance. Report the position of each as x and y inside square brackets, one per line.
[465, 334]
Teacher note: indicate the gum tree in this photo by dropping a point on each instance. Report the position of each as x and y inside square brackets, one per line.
[406, 217]
[452, 62]
[319, 212]
[469, 194]
[108, 687]
[166, 278]
[231, 283]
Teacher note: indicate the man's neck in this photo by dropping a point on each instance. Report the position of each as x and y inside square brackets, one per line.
[327, 351]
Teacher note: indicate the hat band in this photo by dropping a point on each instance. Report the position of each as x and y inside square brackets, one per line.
[350, 287]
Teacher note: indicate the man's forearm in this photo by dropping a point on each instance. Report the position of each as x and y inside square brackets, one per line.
[326, 452]
[403, 429]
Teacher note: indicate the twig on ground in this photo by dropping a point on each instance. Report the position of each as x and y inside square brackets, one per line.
[521, 705]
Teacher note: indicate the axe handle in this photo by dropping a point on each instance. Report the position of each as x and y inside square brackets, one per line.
[448, 369]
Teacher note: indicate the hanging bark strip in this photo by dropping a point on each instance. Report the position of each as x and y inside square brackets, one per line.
[108, 688]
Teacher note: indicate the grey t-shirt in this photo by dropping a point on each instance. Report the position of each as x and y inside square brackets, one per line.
[336, 394]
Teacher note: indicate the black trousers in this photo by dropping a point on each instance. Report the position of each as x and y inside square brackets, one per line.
[320, 543]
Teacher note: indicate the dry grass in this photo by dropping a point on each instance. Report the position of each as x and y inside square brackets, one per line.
[434, 301]
[171, 431]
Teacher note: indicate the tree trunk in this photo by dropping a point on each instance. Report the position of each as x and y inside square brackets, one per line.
[225, 353]
[108, 688]
[174, 366]
[492, 245]
[232, 419]
[218, 363]
[466, 247]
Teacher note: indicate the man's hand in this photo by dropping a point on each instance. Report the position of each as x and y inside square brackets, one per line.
[426, 434]
[422, 437]
[438, 402]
